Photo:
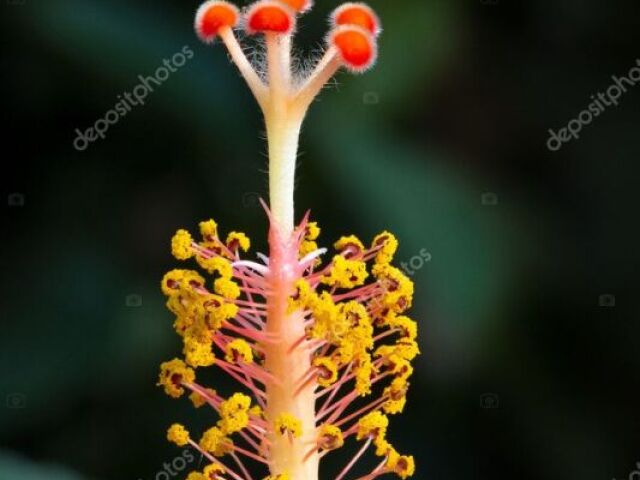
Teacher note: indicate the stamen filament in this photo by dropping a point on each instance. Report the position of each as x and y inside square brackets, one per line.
[246, 474]
[213, 459]
[355, 459]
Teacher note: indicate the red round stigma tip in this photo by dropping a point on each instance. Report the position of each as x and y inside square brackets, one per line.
[213, 16]
[270, 16]
[357, 47]
[357, 14]
[300, 6]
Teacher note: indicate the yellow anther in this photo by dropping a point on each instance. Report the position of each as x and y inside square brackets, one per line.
[402, 465]
[327, 371]
[361, 338]
[209, 230]
[219, 265]
[363, 370]
[397, 365]
[198, 353]
[404, 349]
[178, 434]
[408, 328]
[173, 374]
[183, 322]
[397, 396]
[355, 313]
[383, 447]
[180, 281]
[226, 288]
[303, 298]
[256, 411]
[330, 437]
[216, 442]
[349, 246]
[345, 273]
[216, 315]
[373, 425]
[397, 288]
[286, 423]
[238, 350]
[237, 240]
[312, 232]
[212, 472]
[181, 245]
[388, 245]
[328, 323]
[234, 413]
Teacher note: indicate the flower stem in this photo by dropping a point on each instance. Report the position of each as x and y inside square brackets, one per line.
[289, 360]
[283, 132]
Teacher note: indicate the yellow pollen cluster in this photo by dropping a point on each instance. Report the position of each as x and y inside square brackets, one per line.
[208, 230]
[397, 396]
[239, 350]
[397, 288]
[173, 374]
[215, 471]
[387, 244]
[402, 465]
[216, 442]
[330, 437]
[346, 273]
[308, 243]
[286, 423]
[373, 425]
[197, 352]
[327, 371]
[226, 288]
[218, 265]
[312, 231]
[181, 245]
[239, 240]
[234, 413]
[178, 434]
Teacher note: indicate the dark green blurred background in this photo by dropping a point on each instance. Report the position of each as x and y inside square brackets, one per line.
[526, 303]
